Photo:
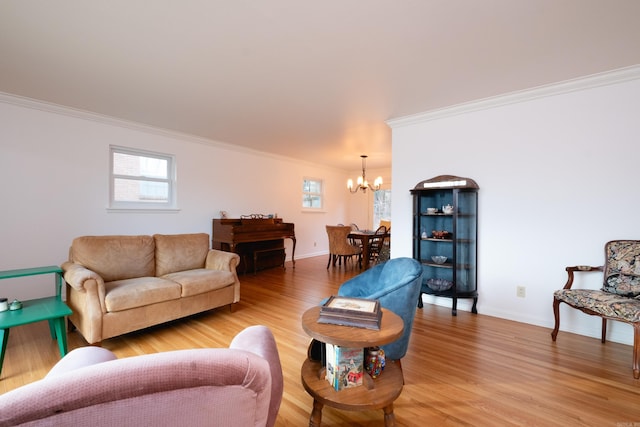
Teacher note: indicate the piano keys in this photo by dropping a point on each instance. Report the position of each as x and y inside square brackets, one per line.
[250, 237]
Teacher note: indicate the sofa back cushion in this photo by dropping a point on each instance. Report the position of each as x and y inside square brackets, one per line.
[115, 257]
[180, 252]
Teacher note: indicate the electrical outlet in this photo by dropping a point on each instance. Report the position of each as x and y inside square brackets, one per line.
[521, 291]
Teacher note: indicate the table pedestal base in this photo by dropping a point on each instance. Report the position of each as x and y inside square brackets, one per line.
[379, 393]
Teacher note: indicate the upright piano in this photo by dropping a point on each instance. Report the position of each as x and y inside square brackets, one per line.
[258, 241]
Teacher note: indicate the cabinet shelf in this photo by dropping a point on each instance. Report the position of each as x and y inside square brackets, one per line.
[461, 215]
[460, 246]
[433, 264]
[449, 293]
[433, 239]
[461, 266]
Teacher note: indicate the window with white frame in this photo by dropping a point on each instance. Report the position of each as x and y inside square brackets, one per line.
[141, 179]
[381, 206]
[312, 193]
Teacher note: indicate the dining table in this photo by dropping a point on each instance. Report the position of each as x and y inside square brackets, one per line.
[364, 236]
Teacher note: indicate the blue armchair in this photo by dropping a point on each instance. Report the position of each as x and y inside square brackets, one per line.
[396, 284]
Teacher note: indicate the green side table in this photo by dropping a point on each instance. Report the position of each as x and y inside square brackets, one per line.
[52, 309]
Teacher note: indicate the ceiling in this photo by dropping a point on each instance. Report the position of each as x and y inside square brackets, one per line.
[310, 80]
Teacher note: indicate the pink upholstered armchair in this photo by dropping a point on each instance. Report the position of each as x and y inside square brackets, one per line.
[237, 386]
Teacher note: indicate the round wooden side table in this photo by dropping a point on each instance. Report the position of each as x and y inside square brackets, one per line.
[378, 393]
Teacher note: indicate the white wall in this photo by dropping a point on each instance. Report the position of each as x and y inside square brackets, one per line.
[558, 170]
[54, 166]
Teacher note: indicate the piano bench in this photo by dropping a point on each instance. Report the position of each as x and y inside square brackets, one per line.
[261, 252]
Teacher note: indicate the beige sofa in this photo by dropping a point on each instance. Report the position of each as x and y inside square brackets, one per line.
[120, 284]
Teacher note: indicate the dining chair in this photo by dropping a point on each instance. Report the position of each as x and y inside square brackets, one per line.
[376, 243]
[355, 242]
[339, 246]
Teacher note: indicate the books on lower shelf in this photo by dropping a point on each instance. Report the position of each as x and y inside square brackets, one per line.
[344, 366]
[349, 311]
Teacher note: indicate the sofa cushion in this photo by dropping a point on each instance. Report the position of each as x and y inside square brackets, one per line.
[132, 293]
[180, 252]
[115, 257]
[201, 280]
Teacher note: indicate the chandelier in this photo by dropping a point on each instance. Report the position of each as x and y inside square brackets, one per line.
[362, 183]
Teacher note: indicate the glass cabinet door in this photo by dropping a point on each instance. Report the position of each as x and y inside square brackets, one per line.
[466, 245]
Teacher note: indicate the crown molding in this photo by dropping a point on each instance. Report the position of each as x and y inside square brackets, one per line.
[595, 80]
[35, 104]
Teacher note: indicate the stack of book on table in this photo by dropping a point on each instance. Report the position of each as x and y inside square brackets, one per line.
[349, 311]
[344, 366]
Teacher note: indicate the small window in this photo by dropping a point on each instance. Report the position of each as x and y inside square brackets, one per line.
[142, 179]
[311, 193]
[381, 206]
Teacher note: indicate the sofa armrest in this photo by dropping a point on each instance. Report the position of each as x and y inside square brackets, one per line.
[221, 260]
[77, 275]
[259, 339]
[225, 261]
[86, 297]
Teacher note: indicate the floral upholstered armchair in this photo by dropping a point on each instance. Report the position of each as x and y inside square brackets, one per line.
[619, 297]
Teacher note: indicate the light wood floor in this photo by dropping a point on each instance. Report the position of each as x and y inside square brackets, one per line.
[469, 370]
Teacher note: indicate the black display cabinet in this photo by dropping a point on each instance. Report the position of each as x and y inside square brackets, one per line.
[445, 237]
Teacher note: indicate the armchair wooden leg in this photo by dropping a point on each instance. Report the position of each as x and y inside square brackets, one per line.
[604, 330]
[636, 350]
[556, 315]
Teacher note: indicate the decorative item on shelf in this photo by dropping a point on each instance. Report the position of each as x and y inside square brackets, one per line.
[374, 361]
[439, 284]
[440, 234]
[4, 305]
[15, 305]
[439, 259]
[431, 211]
[362, 183]
[357, 312]
[254, 216]
[447, 209]
[424, 235]
[223, 214]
